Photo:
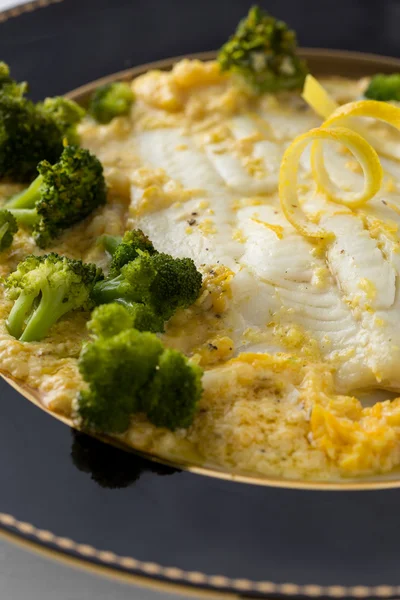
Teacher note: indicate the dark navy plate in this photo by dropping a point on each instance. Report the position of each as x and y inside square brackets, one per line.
[96, 506]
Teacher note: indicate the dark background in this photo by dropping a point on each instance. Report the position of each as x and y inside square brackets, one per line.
[80, 40]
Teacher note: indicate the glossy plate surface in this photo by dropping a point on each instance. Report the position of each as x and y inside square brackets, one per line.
[99, 507]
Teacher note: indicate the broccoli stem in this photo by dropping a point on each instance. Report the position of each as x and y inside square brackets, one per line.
[3, 230]
[17, 316]
[113, 289]
[110, 242]
[25, 216]
[50, 308]
[27, 198]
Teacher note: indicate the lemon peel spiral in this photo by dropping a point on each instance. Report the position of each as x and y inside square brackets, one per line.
[325, 106]
[373, 109]
[288, 184]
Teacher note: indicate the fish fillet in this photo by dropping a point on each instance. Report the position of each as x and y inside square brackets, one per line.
[344, 299]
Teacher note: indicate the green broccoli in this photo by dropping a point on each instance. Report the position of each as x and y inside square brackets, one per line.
[165, 399]
[116, 369]
[130, 372]
[114, 318]
[66, 113]
[111, 100]
[8, 85]
[109, 242]
[143, 317]
[263, 52]
[8, 228]
[44, 289]
[124, 249]
[108, 320]
[159, 281]
[27, 136]
[32, 132]
[384, 87]
[62, 195]
[5, 77]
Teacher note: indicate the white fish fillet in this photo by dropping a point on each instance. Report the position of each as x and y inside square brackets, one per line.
[358, 264]
[284, 127]
[313, 303]
[234, 173]
[346, 299]
[168, 227]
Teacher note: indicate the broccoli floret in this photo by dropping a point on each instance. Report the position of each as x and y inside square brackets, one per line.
[111, 100]
[170, 400]
[62, 195]
[108, 320]
[27, 136]
[163, 282]
[44, 289]
[124, 249]
[8, 85]
[150, 285]
[176, 284]
[143, 316]
[66, 113]
[116, 368]
[131, 372]
[159, 281]
[8, 228]
[5, 77]
[30, 133]
[263, 52]
[384, 87]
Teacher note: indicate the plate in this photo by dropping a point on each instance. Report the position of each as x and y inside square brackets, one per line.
[79, 500]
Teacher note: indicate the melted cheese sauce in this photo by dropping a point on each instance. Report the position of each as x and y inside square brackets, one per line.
[286, 330]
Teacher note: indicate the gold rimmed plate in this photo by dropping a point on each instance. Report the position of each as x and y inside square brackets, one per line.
[322, 62]
[118, 513]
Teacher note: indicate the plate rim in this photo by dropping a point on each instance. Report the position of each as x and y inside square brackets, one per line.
[156, 576]
[104, 570]
[25, 7]
[166, 63]
[208, 471]
[80, 94]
